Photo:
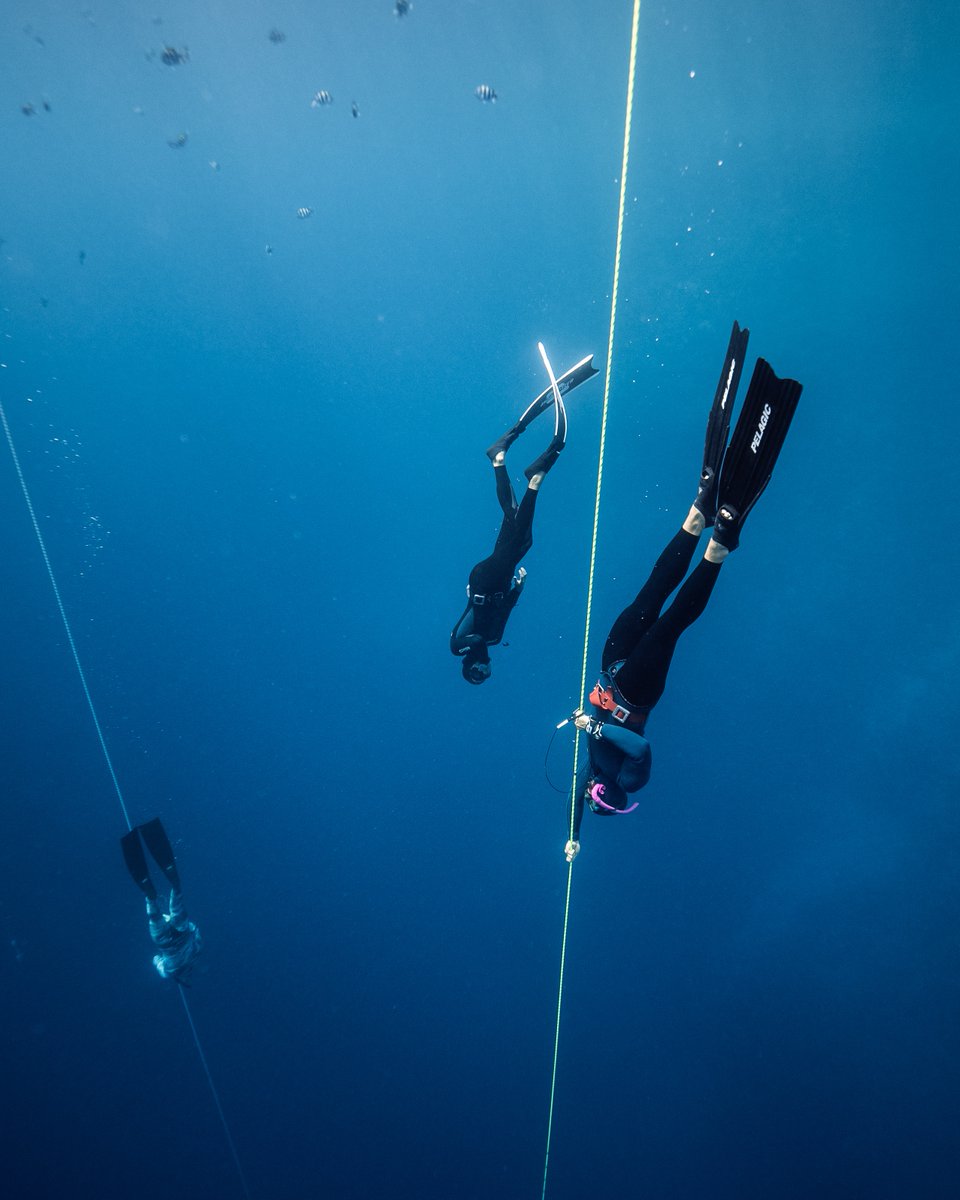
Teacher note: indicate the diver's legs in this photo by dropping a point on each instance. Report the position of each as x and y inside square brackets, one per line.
[523, 522]
[505, 494]
[177, 908]
[667, 574]
[136, 863]
[155, 921]
[643, 676]
[513, 542]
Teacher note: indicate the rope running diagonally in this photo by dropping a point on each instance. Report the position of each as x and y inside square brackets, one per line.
[109, 761]
[627, 126]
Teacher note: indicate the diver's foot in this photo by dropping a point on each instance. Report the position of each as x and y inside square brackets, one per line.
[540, 466]
[501, 446]
[726, 532]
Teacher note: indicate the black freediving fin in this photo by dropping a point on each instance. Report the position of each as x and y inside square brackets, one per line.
[542, 464]
[757, 440]
[157, 842]
[718, 424]
[136, 862]
[579, 373]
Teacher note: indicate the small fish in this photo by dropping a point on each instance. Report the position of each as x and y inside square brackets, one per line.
[485, 93]
[277, 36]
[46, 105]
[303, 213]
[321, 98]
[355, 108]
[178, 142]
[402, 7]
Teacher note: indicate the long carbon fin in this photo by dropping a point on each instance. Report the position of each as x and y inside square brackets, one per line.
[579, 373]
[757, 440]
[718, 423]
[156, 840]
[136, 863]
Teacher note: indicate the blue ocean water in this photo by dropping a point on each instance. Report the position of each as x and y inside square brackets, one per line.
[260, 480]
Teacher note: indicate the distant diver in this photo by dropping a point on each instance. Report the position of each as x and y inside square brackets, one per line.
[640, 646]
[320, 99]
[177, 939]
[495, 584]
[170, 56]
[402, 7]
[485, 93]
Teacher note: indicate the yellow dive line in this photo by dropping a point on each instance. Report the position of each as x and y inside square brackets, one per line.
[627, 125]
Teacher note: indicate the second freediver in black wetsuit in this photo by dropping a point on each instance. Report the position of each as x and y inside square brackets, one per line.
[495, 583]
[640, 646]
[177, 939]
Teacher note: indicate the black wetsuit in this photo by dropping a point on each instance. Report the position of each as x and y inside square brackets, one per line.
[642, 640]
[493, 588]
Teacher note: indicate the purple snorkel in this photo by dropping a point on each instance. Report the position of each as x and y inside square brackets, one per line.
[597, 793]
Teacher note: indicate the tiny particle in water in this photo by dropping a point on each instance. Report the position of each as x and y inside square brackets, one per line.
[693, 74]
[485, 93]
[277, 36]
[320, 98]
[170, 56]
[178, 142]
[303, 213]
[402, 7]
[82, 256]
[268, 249]
[214, 165]
[28, 110]
[355, 108]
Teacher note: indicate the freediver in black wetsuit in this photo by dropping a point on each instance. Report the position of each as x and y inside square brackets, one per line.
[495, 582]
[176, 938]
[640, 645]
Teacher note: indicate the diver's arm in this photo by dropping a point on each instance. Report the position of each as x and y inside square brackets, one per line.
[637, 757]
[463, 638]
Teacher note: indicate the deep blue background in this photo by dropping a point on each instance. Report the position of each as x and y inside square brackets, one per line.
[261, 483]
